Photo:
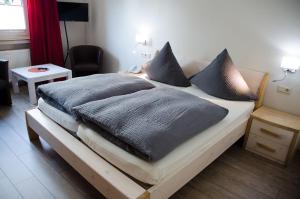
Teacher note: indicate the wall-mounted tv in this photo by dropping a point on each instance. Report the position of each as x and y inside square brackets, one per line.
[73, 11]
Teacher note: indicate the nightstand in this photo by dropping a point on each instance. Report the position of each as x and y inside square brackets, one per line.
[272, 134]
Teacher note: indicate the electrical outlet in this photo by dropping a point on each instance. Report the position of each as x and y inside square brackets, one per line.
[284, 90]
[146, 55]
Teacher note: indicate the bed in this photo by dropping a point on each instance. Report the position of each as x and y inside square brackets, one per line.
[117, 174]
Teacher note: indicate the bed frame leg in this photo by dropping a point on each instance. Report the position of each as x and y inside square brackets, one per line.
[31, 133]
[146, 195]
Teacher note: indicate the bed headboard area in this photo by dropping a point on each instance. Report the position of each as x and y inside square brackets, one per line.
[257, 81]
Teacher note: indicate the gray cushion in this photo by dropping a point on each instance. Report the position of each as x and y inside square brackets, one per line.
[221, 79]
[165, 68]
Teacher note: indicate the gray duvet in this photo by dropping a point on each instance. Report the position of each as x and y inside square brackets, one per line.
[67, 94]
[151, 123]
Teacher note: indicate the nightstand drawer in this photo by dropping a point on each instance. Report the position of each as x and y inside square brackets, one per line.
[267, 148]
[272, 133]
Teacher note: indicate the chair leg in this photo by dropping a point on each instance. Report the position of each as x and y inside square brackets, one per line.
[74, 74]
[6, 97]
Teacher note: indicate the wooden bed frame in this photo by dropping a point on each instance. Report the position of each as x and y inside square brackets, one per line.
[107, 179]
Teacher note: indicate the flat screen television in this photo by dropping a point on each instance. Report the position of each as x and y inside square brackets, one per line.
[73, 11]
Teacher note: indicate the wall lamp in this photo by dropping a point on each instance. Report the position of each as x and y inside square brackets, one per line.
[289, 64]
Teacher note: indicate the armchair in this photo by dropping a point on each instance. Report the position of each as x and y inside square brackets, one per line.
[86, 60]
[5, 97]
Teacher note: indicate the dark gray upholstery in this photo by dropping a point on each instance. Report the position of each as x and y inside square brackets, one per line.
[151, 123]
[65, 95]
[165, 68]
[222, 79]
[86, 60]
[5, 97]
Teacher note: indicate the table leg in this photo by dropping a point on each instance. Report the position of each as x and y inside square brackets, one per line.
[69, 75]
[32, 93]
[14, 81]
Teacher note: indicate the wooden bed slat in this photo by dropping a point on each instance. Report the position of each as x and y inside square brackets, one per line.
[173, 183]
[106, 178]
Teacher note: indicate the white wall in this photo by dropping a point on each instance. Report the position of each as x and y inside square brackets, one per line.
[108, 30]
[257, 34]
[16, 58]
[77, 31]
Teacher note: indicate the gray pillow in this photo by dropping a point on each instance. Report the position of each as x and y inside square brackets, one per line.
[165, 68]
[221, 79]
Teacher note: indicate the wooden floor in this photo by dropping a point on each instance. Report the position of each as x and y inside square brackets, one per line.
[36, 171]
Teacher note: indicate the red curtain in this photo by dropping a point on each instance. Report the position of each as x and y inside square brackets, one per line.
[45, 36]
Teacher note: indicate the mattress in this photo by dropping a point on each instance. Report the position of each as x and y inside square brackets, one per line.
[63, 119]
[152, 173]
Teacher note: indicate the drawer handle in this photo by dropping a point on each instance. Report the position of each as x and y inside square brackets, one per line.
[266, 147]
[270, 133]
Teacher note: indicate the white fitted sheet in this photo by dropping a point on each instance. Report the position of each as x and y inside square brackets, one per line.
[63, 119]
[152, 173]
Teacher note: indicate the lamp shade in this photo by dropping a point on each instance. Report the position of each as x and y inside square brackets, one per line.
[290, 63]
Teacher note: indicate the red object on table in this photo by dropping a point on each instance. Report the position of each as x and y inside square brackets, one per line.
[37, 70]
